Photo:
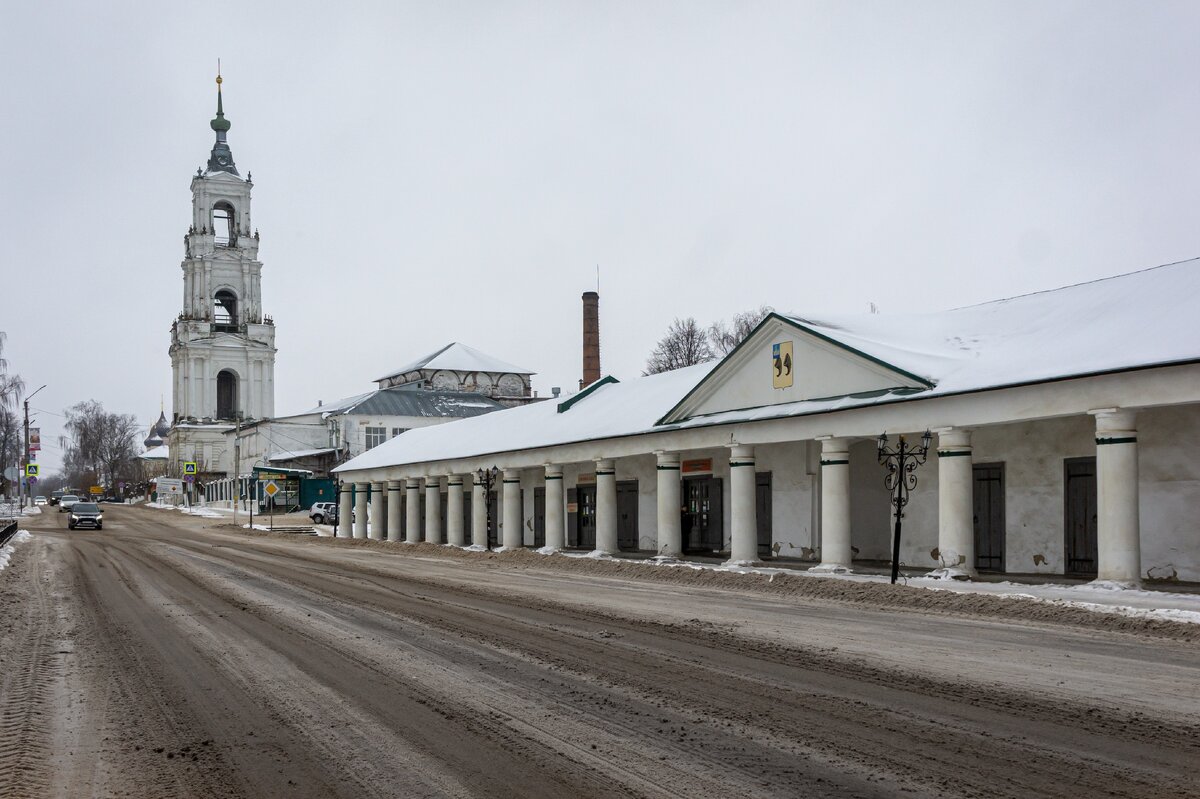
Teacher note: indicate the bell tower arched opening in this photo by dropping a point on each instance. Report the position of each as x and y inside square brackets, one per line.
[224, 225]
[227, 394]
[225, 311]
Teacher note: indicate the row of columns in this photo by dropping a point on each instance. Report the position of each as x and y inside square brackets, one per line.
[1119, 557]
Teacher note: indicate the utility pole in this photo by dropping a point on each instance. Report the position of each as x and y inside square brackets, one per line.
[22, 480]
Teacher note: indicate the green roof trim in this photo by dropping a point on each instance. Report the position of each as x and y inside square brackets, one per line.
[566, 404]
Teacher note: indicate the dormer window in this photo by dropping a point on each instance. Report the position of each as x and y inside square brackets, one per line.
[224, 232]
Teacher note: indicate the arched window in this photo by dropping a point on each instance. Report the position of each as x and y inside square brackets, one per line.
[223, 227]
[225, 311]
[226, 394]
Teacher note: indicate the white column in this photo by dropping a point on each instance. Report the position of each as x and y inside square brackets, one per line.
[956, 502]
[412, 498]
[670, 536]
[360, 509]
[835, 506]
[512, 534]
[479, 537]
[394, 497]
[555, 520]
[606, 507]
[1118, 536]
[454, 510]
[378, 511]
[433, 510]
[743, 539]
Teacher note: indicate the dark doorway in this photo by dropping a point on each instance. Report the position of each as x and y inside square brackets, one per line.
[585, 517]
[493, 519]
[226, 395]
[762, 513]
[1080, 523]
[225, 311]
[627, 514]
[702, 515]
[445, 520]
[468, 523]
[989, 516]
[539, 517]
[421, 531]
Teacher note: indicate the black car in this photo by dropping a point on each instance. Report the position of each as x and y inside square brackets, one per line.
[86, 514]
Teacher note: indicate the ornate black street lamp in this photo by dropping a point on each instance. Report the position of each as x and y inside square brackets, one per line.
[901, 462]
[487, 479]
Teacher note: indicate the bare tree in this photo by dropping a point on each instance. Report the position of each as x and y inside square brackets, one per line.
[724, 336]
[11, 386]
[684, 345]
[10, 443]
[100, 442]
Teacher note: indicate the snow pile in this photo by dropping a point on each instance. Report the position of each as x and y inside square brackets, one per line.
[6, 551]
[207, 513]
[32, 510]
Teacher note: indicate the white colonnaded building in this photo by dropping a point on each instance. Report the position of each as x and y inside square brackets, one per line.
[1066, 430]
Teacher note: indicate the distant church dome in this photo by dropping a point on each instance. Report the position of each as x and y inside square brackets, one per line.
[158, 432]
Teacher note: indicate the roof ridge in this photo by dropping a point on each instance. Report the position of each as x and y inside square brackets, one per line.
[1075, 285]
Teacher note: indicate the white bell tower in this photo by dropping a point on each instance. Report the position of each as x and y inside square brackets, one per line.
[222, 347]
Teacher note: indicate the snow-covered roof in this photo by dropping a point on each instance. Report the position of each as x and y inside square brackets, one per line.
[459, 358]
[1147, 318]
[1134, 320]
[156, 454]
[410, 400]
[612, 409]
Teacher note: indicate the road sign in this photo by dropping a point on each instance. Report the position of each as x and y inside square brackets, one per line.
[11, 473]
[189, 467]
[271, 476]
[97, 490]
[191, 478]
[31, 480]
[121, 485]
[169, 486]
[31, 470]
[270, 488]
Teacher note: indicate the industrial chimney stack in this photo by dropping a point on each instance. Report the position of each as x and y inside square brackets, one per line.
[591, 338]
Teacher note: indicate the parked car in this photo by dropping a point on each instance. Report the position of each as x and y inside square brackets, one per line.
[39, 500]
[67, 501]
[85, 514]
[322, 511]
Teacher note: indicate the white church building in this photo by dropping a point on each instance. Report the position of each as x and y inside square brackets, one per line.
[222, 345]
[1065, 428]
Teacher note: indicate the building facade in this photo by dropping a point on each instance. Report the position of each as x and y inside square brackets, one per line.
[1064, 424]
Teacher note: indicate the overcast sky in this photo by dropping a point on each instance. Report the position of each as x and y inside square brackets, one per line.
[436, 172]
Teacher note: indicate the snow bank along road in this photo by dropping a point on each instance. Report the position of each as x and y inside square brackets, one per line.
[166, 656]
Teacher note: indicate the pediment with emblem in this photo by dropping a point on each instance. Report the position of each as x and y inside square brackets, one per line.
[783, 362]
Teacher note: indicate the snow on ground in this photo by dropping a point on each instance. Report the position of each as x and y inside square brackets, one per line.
[1098, 597]
[6, 551]
[32, 510]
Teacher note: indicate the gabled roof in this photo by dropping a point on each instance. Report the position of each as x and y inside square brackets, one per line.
[1134, 321]
[459, 358]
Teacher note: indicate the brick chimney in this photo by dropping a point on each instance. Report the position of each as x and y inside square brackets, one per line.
[591, 337]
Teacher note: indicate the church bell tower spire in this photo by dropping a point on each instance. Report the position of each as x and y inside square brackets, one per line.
[221, 159]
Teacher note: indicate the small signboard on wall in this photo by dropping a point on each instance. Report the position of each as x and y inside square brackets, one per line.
[697, 466]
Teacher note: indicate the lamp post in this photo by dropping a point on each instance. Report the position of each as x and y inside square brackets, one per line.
[901, 462]
[487, 479]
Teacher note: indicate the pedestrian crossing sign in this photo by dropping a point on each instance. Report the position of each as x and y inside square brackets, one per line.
[189, 467]
[31, 470]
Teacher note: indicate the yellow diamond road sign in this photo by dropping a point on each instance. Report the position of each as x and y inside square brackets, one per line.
[270, 488]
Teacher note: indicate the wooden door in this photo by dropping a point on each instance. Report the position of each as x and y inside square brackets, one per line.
[585, 516]
[762, 513]
[702, 514]
[989, 516]
[468, 528]
[494, 519]
[627, 514]
[1081, 514]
